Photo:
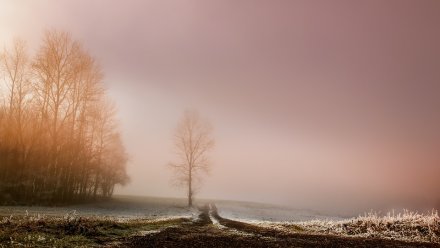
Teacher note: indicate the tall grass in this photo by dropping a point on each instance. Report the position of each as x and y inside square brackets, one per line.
[406, 225]
[73, 230]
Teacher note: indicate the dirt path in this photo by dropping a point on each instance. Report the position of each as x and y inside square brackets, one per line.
[211, 230]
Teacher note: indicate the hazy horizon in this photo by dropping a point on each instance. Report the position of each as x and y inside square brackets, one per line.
[313, 102]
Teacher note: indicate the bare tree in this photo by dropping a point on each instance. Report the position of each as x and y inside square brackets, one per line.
[59, 141]
[14, 63]
[192, 140]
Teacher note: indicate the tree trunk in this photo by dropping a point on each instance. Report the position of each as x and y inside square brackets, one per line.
[190, 190]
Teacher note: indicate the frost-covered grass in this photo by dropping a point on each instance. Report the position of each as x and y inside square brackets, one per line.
[407, 226]
[101, 223]
[129, 207]
[72, 230]
[91, 224]
[256, 213]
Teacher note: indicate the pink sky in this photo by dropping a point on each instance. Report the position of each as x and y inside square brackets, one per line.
[311, 100]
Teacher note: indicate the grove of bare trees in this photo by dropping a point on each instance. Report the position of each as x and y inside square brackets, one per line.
[59, 141]
[192, 141]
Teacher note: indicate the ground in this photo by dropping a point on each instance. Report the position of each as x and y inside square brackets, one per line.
[211, 230]
[153, 222]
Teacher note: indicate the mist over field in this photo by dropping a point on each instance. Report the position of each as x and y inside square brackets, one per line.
[314, 105]
[219, 123]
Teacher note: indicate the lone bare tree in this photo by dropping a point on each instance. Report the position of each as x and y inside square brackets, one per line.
[192, 140]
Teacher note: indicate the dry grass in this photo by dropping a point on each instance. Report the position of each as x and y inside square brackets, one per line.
[406, 226]
[71, 230]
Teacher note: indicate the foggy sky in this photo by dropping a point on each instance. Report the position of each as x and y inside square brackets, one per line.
[310, 100]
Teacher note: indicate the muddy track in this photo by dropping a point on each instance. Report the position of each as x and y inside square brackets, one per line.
[211, 230]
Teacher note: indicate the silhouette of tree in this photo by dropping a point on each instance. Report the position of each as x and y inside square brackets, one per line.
[192, 140]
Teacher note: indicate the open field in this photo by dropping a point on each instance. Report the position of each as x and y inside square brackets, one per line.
[155, 207]
[164, 222]
[127, 207]
[258, 212]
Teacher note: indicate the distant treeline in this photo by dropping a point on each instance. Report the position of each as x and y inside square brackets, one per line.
[59, 142]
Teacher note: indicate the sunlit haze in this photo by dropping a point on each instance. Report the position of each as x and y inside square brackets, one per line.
[312, 103]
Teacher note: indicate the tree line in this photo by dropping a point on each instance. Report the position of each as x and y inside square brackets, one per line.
[59, 141]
